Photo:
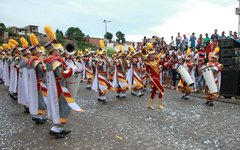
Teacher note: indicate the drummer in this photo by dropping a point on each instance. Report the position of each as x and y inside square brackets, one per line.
[182, 85]
[216, 69]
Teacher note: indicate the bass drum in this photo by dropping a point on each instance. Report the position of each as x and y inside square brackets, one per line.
[72, 84]
[208, 76]
[185, 75]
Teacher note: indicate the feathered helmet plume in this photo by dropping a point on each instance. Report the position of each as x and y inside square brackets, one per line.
[24, 42]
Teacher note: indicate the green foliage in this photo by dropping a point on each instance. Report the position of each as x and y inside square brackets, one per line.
[74, 33]
[60, 36]
[83, 45]
[9, 30]
[120, 37]
[2, 28]
[108, 36]
[110, 51]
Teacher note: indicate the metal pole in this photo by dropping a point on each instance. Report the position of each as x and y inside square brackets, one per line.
[106, 22]
[106, 28]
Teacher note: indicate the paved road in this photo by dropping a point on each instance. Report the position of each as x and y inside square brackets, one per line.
[127, 124]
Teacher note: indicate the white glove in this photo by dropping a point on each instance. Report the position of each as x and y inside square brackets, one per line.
[74, 68]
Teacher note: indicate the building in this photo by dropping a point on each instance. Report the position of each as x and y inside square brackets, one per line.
[31, 29]
[18, 31]
[25, 30]
[93, 41]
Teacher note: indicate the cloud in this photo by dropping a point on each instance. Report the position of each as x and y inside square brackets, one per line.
[134, 18]
[198, 20]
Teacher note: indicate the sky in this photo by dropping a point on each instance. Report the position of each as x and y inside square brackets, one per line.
[134, 18]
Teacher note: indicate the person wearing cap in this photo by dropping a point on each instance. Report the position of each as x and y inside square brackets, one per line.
[119, 79]
[135, 66]
[182, 85]
[60, 101]
[23, 95]
[153, 73]
[87, 68]
[101, 83]
[2, 56]
[37, 88]
[14, 69]
[216, 69]
[6, 66]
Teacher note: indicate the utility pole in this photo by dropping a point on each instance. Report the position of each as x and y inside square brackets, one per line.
[106, 22]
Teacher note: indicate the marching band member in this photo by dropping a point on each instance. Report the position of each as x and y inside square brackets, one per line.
[60, 101]
[14, 69]
[23, 82]
[119, 79]
[37, 88]
[87, 68]
[2, 56]
[182, 85]
[216, 69]
[153, 73]
[6, 65]
[134, 73]
[101, 83]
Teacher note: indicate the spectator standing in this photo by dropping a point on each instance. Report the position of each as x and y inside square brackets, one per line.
[185, 41]
[193, 41]
[235, 36]
[206, 39]
[222, 37]
[178, 40]
[199, 41]
[163, 43]
[215, 35]
[172, 42]
[144, 41]
[230, 35]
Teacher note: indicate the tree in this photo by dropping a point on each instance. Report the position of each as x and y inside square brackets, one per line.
[9, 30]
[108, 36]
[75, 33]
[2, 28]
[59, 36]
[120, 37]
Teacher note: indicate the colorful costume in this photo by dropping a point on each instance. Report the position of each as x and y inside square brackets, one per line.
[182, 85]
[60, 101]
[23, 82]
[153, 73]
[119, 79]
[87, 69]
[134, 75]
[37, 88]
[216, 69]
[101, 83]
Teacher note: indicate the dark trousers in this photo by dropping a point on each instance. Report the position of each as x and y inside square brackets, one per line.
[174, 77]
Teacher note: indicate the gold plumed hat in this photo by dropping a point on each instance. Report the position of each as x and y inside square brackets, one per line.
[24, 49]
[52, 44]
[35, 45]
[150, 48]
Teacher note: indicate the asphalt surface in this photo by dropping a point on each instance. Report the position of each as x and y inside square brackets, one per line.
[126, 124]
